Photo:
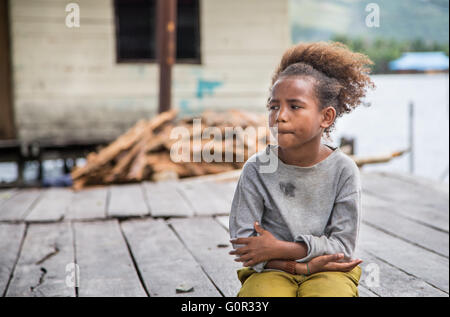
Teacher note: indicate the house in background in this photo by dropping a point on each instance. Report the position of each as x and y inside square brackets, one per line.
[418, 62]
[97, 80]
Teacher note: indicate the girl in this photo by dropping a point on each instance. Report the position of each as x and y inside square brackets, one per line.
[295, 228]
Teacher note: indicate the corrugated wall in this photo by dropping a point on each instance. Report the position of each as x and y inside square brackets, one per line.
[67, 83]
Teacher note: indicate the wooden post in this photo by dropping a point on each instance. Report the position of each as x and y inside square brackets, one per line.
[7, 127]
[166, 36]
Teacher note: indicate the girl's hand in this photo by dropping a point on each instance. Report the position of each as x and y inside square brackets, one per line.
[329, 263]
[257, 249]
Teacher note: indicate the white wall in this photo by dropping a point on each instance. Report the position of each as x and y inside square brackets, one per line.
[67, 82]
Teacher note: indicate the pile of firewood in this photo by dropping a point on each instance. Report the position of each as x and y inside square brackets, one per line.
[143, 152]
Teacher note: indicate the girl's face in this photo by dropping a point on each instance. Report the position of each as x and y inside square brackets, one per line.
[294, 111]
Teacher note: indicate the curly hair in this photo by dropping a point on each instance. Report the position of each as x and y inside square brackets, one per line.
[341, 76]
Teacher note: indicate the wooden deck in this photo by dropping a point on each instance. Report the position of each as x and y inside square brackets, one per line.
[147, 239]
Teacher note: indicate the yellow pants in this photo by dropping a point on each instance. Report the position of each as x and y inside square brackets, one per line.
[282, 284]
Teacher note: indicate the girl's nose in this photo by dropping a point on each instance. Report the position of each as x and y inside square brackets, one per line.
[282, 115]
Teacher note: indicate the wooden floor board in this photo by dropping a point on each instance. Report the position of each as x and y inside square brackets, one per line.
[428, 266]
[410, 200]
[382, 215]
[404, 234]
[166, 200]
[127, 200]
[52, 206]
[388, 281]
[19, 205]
[6, 194]
[11, 236]
[163, 260]
[41, 270]
[106, 267]
[209, 243]
[205, 197]
[88, 203]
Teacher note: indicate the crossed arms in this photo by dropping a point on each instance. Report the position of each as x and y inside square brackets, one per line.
[276, 253]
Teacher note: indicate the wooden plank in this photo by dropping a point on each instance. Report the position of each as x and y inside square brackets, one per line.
[7, 126]
[418, 180]
[224, 221]
[10, 240]
[204, 198]
[165, 200]
[17, 207]
[386, 280]
[52, 206]
[127, 200]
[163, 260]
[428, 266]
[205, 238]
[225, 192]
[414, 191]
[382, 215]
[222, 191]
[41, 269]
[420, 203]
[106, 268]
[6, 194]
[88, 203]
[364, 292]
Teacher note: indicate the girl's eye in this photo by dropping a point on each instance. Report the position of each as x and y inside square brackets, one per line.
[295, 107]
[273, 107]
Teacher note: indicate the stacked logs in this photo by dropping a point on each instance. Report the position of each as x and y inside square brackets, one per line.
[144, 151]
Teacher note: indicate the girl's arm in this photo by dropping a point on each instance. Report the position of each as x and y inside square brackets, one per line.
[246, 208]
[300, 268]
[318, 264]
[341, 232]
[266, 247]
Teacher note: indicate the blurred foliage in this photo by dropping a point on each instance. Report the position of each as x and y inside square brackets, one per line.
[381, 50]
[405, 26]
[313, 20]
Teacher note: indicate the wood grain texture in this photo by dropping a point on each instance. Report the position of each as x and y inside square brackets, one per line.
[52, 206]
[6, 194]
[386, 280]
[205, 197]
[41, 269]
[419, 203]
[19, 205]
[381, 214]
[88, 204]
[204, 238]
[165, 199]
[106, 268]
[126, 201]
[10, 241]
[163, 260]
[428, 266]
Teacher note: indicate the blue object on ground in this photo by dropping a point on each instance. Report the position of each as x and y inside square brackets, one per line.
[60, 181]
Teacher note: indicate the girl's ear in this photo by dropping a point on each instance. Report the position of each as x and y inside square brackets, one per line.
[328, 116]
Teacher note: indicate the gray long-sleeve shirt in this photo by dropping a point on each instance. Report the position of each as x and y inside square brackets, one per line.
[319, 205]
